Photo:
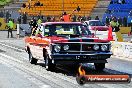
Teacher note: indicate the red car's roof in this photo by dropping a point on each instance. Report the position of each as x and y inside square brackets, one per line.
[61, 23]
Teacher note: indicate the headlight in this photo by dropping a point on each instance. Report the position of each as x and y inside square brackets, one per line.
[104, 47]
[96, 47]
[66, 47]
[57, 48]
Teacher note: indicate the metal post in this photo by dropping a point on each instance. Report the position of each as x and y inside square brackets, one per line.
[18, 31]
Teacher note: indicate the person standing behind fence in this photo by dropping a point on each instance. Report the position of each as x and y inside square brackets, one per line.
[125, 21]
[10, 27]
[39, 21]
[115, 25]
[66, 17]
[96, 18]
[24, 18]
[8, 15]
[74, 18]
[107, 20]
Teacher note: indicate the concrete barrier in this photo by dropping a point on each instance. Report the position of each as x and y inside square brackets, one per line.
[122, 49]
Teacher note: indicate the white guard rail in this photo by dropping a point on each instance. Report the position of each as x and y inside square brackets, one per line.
[122, 49]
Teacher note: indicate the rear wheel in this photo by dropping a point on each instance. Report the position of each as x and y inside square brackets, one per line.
[99, 66]
[48, 64]
[32, 60]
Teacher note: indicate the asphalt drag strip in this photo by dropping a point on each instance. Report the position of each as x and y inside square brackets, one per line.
[64, 76]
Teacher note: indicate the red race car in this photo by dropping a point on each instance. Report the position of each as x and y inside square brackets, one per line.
[67, 43]
[96, 25]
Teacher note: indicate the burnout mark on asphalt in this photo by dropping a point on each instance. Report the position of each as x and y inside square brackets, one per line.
[2, 50]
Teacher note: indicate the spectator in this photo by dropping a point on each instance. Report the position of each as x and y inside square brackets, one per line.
[125, 21]
[79, 18]
[129, 21]
[61, 19]
[115, 1]
[108, 11]
[82, 20]
[53, 19]
[123, 2]
[130, 13]
[74, 17]
[88, 18]
[96, 18]
[24, 18]
[48, 19]
[8, 15]
[78, 9]
[39, 21]
[84, 17]
[38, 3]
[24, 5]
[115, 25]
[110, 19]
[119, 2]
[33, 25]
[19, 19]
[1, 14]
[120, 21]
[107, 20]
[29, 6]
[66, 17]
[10, 27]
[111, 2]
[44, 19]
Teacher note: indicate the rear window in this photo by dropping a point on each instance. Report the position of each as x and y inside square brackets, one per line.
[96, 23]
[66, 29]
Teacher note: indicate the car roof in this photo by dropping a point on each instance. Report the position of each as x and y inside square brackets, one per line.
[61, 23]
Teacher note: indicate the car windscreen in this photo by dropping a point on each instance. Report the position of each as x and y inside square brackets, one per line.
[96, 23]
[66, 29]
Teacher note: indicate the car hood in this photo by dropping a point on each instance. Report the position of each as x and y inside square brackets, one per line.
[55, 39]
[100, 28]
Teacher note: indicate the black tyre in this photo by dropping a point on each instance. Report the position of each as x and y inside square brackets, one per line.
[48, 64]
[32, 60]
[81, 80]
[99, 66]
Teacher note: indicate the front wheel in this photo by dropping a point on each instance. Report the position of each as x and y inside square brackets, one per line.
[48, 64]
[32, 60]
[99, 66]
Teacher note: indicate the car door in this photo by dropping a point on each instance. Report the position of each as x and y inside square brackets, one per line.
[38, 49]
[32, 44]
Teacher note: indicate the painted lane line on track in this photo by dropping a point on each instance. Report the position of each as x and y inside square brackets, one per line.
[90, 85]
[46, 85]
[122, 58]
[31, 78]
[69, 79]
[57, 79]
[12, 47]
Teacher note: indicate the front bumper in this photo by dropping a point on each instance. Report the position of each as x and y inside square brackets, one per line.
[81, 58]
